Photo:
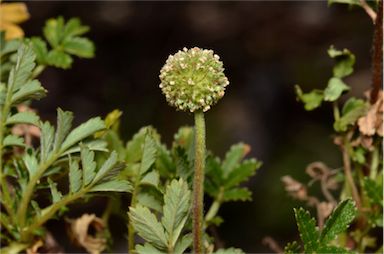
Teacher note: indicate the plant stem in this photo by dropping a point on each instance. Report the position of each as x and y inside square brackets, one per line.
[348, 174]
[131, 230]
[214, 207]
[198, 184]
[374, 164]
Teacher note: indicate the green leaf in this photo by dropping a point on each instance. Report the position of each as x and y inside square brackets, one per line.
[309, 234]
[373, 191]
[31, 164]
[149, 154]
[89, 165]
[113, 186]
[64, 124]
[233, 157]
[334, 89]
[147, 226]
[12, 140]
[350, 2]
[229, 251]
[292, 248]
[237, 194]
[53, 31]
[326, 249]
[338, 221]
[46, 141]
[150, 201]
[311, 100]
[75, 177]
[20, 73]
[242, 172]
[152, 178]
[344, 61]
[40, 49]
[59, 59]
[93, 145]
[147, 249]
[81, 47]
[176, 209]
[30, 90]
[74, 28]
[83, 131]
[352, 110]
[183, 244]
[56, 195]
[27, 117]
[106, 167]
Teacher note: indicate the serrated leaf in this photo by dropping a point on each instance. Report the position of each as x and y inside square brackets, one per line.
[237, 194]
[311, 100]
[93, 145]
[27, 117]
[149, 154]
[147, 226]
[147, 249]
[214, 178]
[184, 168]
[31, 164]
[176, 209]
[88, 164]
[83, 131]
[373, 191]
[75, 177]
[74, 28]
[326, 249]
[150, 201]
[309, 234]
[40, 49]
[241, 173]
[81, 47]
[334, 89]
[152, 178]
[183, 244]
[233, 157]
[344, 61]
[292, 248]
[106, 167]
[64, 124]
[30, 90]
[338, 221]
[12, 140]
[46, 141]
[25, 63]
[113, 186]
[53, 30]
[59, 59]
[56, 195]
[352, 110]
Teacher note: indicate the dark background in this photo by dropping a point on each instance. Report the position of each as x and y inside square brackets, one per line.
[266, 47]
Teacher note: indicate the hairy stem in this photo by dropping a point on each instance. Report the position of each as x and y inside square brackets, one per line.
[198, 184]
[131, 230]
[348, 174]
[377, 54]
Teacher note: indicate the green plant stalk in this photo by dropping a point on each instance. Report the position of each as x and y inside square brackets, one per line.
[198, 184]
[48, 212]
[27, 194]
[214, 209]
[131, 229]
[374, 164]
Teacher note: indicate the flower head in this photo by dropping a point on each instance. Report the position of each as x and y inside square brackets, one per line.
[193, 79]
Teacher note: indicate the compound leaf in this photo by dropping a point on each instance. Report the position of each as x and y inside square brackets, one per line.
[334, 89]
[309, 234]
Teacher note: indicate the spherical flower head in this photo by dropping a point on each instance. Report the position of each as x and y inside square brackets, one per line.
[193, 79]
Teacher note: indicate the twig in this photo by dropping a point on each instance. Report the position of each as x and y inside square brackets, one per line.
[371, 13]
[377, 55]
[272, 244]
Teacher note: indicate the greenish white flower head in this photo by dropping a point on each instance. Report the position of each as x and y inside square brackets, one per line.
[193, 79]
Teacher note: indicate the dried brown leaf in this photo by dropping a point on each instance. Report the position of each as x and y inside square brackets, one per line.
[79, 233]
[372, 122]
